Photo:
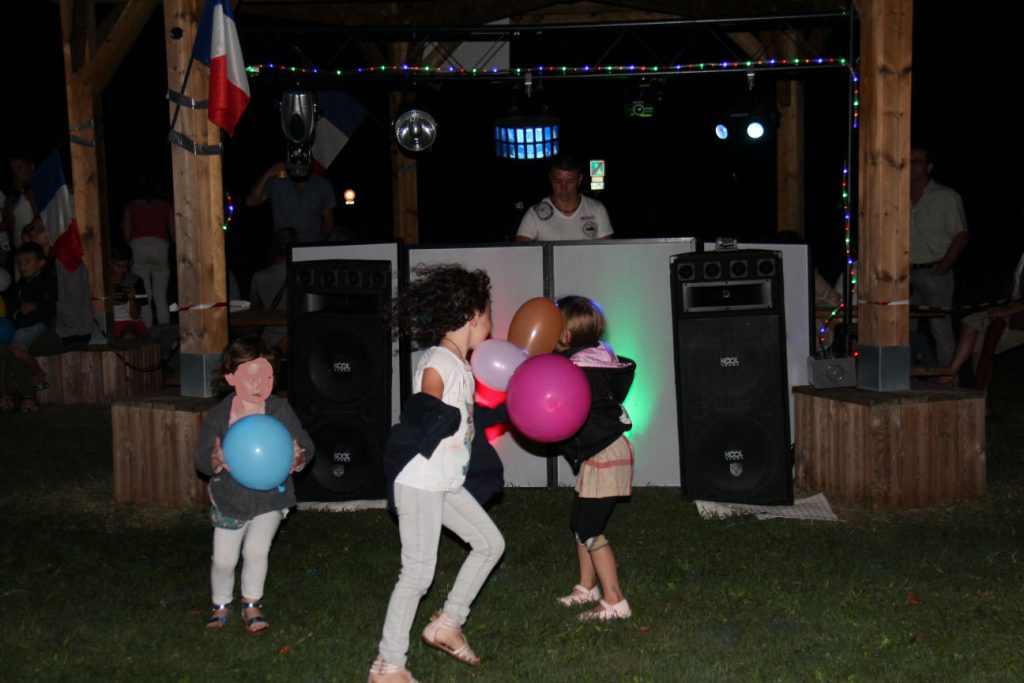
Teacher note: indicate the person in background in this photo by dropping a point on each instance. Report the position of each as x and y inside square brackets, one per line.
[129, 294]
[974, 326]
[148, 227]
[565, 214]
[938, 235]
[305, 203]
[20, 207]
[268, 289]
[33, 307]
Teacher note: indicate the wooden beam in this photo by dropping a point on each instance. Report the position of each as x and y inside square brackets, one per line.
[198, 203]
[88, 173]
[791, 145]
[116, 39]
[404, 183]
[886, 42]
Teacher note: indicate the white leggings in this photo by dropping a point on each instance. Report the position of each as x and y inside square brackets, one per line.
[420, 517]
[253, 542]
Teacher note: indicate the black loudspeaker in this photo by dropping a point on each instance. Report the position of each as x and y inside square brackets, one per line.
[340, 365]
[731, 381]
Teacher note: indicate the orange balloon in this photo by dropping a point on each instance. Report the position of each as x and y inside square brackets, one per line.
[536, 326]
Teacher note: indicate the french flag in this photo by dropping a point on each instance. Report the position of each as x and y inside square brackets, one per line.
[54, 202]
[217, 47]
[340, 115]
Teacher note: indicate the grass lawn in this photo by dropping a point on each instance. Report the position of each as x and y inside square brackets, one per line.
[94, 591]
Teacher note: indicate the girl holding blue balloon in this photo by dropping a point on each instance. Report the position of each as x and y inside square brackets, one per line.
[249, 445]
[601, 455]
[447, 309]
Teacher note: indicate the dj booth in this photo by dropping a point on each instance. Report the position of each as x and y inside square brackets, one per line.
[720, 339]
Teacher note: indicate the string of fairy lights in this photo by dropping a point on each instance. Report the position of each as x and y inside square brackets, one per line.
[850, 269]
[385, 70]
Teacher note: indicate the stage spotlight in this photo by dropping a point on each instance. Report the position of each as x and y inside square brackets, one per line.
[415, 130]
[752, 124]
[298, 123]
[526, 137]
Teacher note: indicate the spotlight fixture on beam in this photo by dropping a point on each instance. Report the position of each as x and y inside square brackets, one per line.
[751, 124]
[298, 123]
[751, 120]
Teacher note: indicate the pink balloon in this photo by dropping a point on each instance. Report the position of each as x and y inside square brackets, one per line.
[548, 398]
[495, 360]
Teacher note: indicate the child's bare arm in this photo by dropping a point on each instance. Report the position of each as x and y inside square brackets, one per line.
[432, 383]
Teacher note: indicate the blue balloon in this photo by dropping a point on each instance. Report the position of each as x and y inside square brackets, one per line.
[6, 330]
[258, 451]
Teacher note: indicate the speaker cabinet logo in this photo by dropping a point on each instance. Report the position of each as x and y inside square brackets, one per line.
[341, 367]
[734, 457]
[729, 361]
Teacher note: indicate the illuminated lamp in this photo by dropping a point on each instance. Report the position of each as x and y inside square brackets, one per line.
[526, 137]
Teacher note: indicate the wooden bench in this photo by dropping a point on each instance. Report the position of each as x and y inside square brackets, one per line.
[100, 374]
[154, 437]
[891, 450]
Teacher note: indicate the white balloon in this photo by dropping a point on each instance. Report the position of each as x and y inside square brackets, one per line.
[5, 279]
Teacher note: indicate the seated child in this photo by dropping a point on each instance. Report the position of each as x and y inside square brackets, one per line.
[129, 294]
[34, 305]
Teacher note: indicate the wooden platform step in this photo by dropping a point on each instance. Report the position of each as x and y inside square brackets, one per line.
[101, 374]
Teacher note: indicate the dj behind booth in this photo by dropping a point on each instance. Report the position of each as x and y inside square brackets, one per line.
[724, 336]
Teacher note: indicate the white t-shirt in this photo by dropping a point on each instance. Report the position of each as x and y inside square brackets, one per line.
[545, 223]
[936, 218]
[444, 469]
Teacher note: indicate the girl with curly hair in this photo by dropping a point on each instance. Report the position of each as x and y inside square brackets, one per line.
[447, 310]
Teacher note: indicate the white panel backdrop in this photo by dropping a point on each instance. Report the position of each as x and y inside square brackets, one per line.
[517, 275]
[630, 279]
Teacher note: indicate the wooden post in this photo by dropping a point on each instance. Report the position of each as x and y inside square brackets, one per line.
[404, 195]
[884, 206]
[198, 210]
[88, 175]
[790, 146]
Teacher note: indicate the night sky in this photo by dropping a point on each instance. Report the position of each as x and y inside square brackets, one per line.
[667, 176]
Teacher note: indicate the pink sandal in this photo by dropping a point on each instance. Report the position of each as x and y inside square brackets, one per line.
[606, 612]
[382, 668]
[580, 595]
[439, 621]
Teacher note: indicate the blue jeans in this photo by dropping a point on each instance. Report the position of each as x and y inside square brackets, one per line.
[421, 514]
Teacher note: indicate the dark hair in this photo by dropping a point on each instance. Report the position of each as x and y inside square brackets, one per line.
[443, 298]
[241, 351]
[565, 162]
[583, 319]
[121, 252]
[31, 248]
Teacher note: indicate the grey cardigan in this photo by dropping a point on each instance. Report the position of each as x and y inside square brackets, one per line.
[230, 497]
